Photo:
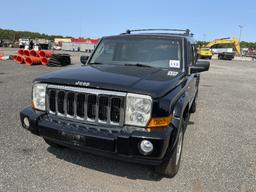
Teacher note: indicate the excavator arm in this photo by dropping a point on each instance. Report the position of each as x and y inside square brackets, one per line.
[235, 42]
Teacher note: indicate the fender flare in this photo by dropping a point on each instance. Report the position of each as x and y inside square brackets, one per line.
[177, 110]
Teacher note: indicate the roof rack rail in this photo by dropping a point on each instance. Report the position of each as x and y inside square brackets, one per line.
[185, 31]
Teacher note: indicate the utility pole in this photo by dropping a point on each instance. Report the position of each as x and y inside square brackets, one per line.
[204, 35]
[240, 34]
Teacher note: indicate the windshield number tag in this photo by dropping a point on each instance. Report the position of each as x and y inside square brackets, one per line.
[174, 64]
[172, 73]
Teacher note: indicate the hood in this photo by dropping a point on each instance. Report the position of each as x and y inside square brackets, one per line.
[150, 81]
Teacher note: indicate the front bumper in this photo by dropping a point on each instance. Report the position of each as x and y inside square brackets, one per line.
[120, 143]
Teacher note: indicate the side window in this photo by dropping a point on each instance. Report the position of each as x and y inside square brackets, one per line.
[195, 53]
[190, 54]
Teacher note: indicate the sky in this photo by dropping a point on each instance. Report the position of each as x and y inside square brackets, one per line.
[207, 19]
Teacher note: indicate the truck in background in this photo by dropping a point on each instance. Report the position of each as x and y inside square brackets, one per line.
[43, 44]
[23, 42]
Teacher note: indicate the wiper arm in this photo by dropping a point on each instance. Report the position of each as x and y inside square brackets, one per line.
[96, 63]
[138, 65]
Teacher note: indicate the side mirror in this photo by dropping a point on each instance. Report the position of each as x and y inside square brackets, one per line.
[84, 59]
[200, 66]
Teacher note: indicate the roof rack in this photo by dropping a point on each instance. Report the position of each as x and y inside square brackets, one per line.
[185, 31]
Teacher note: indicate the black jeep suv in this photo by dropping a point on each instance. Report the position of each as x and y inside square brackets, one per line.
[130, 100]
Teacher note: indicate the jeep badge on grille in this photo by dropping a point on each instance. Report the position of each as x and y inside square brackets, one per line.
[82, 83]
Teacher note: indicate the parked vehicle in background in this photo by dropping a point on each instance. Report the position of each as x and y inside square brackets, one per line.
[249, 52]
[131, 100]
[6, 43]
[43, 43]
[23, 42]
[221, 50]
[226, 56]
[57, 47]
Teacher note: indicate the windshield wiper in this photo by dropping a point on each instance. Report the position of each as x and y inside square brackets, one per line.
[96, 63]
[138, 65]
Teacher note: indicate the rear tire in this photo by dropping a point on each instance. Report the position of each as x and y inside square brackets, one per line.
[170, 167]
[52, 144]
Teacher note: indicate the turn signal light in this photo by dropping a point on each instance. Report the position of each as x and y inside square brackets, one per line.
[33, 105]
[159, 122]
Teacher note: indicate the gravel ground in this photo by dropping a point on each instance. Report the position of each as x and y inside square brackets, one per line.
[219, 151]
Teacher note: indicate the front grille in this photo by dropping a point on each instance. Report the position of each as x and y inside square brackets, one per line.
[89, 105]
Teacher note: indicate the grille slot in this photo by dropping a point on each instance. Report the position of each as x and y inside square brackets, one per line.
[80, 105]
[91, 105]
[115, 110]
[60, 102]
[103, 108]
[70, 104]
[52, 106]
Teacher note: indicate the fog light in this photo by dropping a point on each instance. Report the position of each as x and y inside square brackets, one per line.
[26, 122]
[146, 147]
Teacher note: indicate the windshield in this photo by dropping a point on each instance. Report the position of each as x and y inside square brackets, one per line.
[154, 52]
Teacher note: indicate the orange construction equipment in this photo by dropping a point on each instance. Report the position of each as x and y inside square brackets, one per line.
[44, 61]
[14, 57]
[33, 60]
[19, 59]
[33, 53]
[20, 51]
[45, 53]
[26, 53]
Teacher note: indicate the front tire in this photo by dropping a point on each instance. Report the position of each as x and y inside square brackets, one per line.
[170, 167]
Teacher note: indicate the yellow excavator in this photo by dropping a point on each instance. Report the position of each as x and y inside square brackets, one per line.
[227, 41]
[224, 41]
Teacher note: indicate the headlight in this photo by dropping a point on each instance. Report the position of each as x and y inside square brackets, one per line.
[39, 90]
[138, 109]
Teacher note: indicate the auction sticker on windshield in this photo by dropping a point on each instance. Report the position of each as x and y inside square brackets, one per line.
[174, 64]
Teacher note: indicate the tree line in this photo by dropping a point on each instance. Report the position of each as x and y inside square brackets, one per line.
[15, 35]
[243, 44]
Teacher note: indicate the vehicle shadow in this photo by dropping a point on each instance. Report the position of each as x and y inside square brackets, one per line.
[110, 166]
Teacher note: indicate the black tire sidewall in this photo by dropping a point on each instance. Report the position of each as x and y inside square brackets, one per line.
[169, 168]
